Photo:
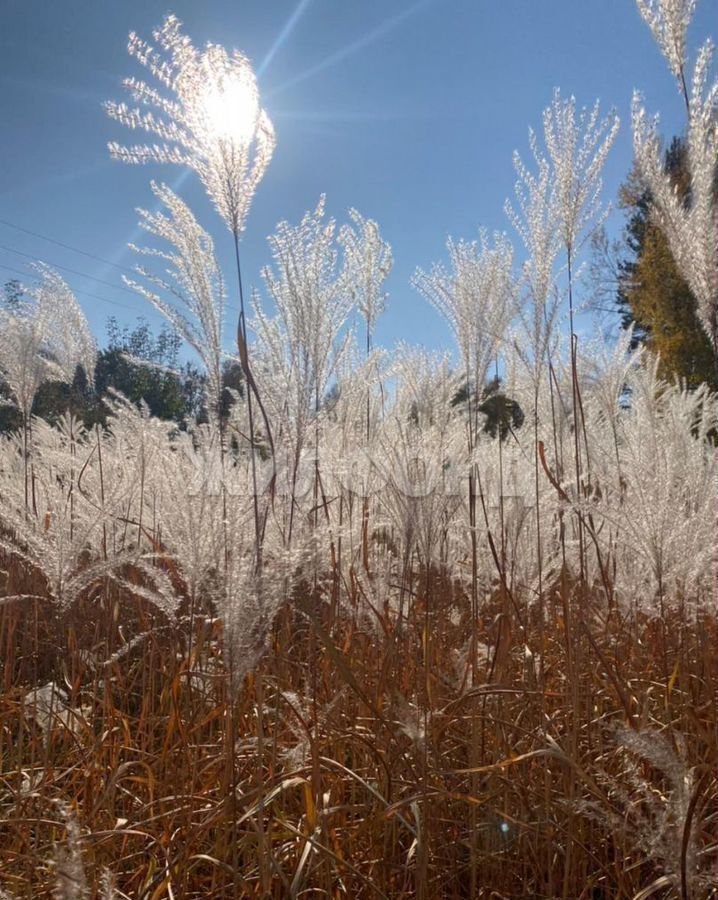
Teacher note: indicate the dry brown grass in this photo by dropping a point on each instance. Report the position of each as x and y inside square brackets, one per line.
[366, 764]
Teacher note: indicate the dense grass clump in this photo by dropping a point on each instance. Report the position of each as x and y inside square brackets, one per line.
[368, 761]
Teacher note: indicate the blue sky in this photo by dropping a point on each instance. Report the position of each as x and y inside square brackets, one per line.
[409, 111]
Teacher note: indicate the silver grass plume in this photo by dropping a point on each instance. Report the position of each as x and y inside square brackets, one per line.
[476, 298]
[23, 338]
[577, 145]
[211, 121]
[190, 486]
[107, 886]
[669, 21]
[301, 347]
[246, 601]
[649, 803]
[535, 215]
[62, 535]
[70, 878]
[44, 338]
[370, 260]
[658, 473]
[192, 279]
[690, 225]
[422, 458]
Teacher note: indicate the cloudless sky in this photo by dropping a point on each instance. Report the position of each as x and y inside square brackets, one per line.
[409, 111]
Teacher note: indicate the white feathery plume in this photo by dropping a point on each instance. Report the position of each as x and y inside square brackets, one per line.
[190, 486]
[70, 879]
[23, 337]
[44, 338]
[61, 536]
[193, 279]
[369, 259]
[211, 122]
[669, 21]
[649, 803]
[301, 347]
[689, 223]
[107, 886]
[422, 457]
[70, 342]
[536, 217]
[476, 298]
[658, 473]
[577, 145]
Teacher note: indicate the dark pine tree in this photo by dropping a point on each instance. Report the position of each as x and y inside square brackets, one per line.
[652, 295]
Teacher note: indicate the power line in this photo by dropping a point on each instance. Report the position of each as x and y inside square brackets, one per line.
[85, 293]
[50, 240]
[119, 287]
[54, 265]
[78, 290]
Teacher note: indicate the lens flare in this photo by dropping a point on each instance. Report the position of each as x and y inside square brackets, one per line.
[231, 109]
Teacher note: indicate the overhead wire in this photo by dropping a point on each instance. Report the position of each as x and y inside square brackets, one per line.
[51, 240]
[15, 271]
[77, 272]
[55, 265]
[25, 274]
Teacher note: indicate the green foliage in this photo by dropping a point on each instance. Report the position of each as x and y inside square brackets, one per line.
[502, 413]
[232, 386]
[167, 394]
[12, 293]
[141, 365]
[55, 398]
[10, 417]
[652, 294]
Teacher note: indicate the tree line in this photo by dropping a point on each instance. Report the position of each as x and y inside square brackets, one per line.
[142, 365]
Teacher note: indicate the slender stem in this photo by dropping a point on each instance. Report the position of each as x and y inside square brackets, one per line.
[368, 390]
[571, 639]
[365, 499]
[684, 91]
[502, 516]
[472, 527]
[574, 385]
[25, 457]
[477, 735]
[244, 359]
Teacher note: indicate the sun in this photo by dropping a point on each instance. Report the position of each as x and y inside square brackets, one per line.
[230, 108]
